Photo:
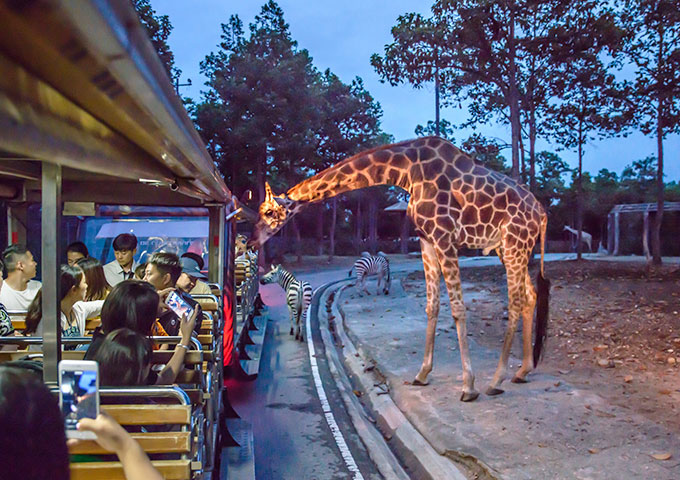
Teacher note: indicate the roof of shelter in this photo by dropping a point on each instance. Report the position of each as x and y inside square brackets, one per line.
[83, 87]
[645, 207]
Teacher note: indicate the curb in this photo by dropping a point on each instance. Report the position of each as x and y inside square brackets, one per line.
[422, 460]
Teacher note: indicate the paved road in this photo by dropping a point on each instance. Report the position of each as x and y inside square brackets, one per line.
[292, 437]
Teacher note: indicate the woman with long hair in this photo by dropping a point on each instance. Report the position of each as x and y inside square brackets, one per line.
[97, 288]
[130, 304]
[74, 310]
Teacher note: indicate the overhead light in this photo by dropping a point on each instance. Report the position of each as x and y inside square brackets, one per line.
[151, 181]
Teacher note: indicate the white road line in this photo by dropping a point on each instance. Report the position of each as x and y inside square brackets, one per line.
[337, 434]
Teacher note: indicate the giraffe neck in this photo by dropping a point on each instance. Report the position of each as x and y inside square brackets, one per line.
[381, 166]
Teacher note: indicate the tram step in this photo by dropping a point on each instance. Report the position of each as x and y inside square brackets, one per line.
[238, 461]
[251, 367]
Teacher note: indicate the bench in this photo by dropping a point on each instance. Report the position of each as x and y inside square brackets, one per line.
[177, 445]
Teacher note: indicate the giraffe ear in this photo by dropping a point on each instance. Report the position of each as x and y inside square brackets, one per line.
[268, 194]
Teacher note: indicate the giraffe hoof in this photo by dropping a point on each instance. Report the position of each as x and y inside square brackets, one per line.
[517, 379]
[418, 383]
[469, 396]
[492, 391]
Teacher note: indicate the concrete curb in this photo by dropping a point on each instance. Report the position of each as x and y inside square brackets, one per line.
[423, 461]
[378, 450]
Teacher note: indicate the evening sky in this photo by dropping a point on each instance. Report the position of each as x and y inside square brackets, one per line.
[342, 36]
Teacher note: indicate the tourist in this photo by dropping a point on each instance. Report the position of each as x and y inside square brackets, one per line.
[131, 304]
[124, 358]
[74, 310]
[97, 287]
[75, 251]
[123, 267]
[162, 271]
[33, 441]
[6, 327]
[191, 275]
[200, 287]
[19, 289]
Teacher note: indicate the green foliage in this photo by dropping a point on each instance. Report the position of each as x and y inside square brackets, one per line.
[550, 179]
[445, 130]
[159, 28]
[486, 151]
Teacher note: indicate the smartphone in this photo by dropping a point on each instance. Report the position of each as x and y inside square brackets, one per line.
[78, 394]
[178, 305]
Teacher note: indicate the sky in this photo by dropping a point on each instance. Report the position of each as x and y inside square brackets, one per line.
[342, 36]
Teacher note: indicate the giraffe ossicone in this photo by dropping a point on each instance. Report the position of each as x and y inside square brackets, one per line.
[454, 202]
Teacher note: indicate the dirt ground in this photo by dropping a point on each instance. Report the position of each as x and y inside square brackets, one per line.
[614, 329]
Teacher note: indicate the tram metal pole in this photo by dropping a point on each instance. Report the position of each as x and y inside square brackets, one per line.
[49, 259]
[216, 245]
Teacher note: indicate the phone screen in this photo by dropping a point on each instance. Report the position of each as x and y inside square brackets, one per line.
[178, 305]
[78, 396]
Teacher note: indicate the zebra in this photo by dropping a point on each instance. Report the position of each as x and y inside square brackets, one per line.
[298, 296]
[368, 265]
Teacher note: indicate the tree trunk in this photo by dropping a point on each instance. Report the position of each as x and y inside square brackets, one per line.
[523, 168]
[260, 174]
[436, 100]
[373, 224]
[579, 194]
[358, 224]
[532, 149]
[331, 233]
[658, 218]
[298, 240]
[404, 233]
[319, 229]
[513, 94]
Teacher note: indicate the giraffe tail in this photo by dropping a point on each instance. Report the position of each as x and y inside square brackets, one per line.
[542, 301]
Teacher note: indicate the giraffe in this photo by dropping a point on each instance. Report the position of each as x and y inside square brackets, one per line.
[585, 236]
[454, 202]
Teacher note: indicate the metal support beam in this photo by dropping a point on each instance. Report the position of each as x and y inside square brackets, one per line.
[617, 231]
[216, 244]
[49, 257]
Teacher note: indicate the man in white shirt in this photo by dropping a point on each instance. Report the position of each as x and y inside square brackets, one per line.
[18, 290]
[123, 267]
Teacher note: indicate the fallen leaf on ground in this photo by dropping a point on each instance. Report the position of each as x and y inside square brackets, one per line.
[662, 456]
[357, 393]
[594, 450]
[628, 378]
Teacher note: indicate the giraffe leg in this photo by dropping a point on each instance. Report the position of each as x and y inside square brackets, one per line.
[432, 275]
[527, 326]
[516, 270]
[449, 265]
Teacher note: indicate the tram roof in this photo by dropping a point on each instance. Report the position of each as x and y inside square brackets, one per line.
[81, 86]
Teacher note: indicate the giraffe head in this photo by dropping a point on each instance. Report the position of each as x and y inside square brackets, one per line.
[275, 211]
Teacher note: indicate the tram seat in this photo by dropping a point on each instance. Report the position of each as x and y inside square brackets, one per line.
[179, 450]
[19, 321]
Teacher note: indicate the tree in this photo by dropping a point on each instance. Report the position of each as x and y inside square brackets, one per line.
[584, 90]
[652, 45]
[550, 186]
[260, 114]
[485, 151]
[351, 120]
[418, 55]
[442, 129]
[158, 28]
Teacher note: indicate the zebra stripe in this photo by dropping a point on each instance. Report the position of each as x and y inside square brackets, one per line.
[370, 265]
[298, 296]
